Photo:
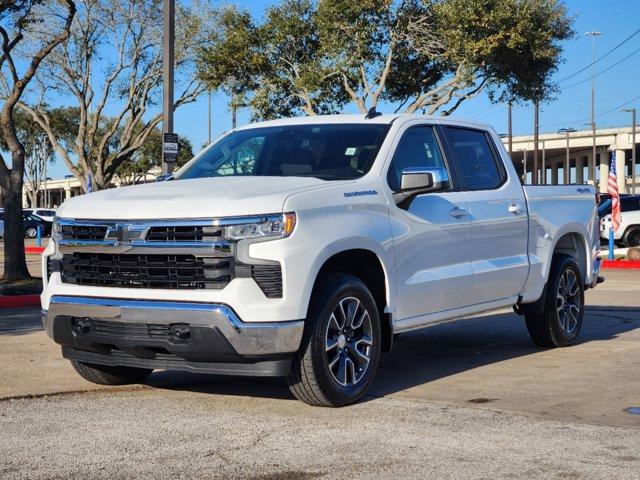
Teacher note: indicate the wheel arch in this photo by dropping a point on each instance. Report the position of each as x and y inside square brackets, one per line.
[575, 245]
[368, 266]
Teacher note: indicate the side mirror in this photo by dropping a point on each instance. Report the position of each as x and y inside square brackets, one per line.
[416, 180]
[164, 178]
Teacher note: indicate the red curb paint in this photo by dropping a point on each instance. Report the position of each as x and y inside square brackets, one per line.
[620, 264]
[19, 301]
[38, 250]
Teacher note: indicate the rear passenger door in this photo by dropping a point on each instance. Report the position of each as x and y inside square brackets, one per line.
[498, 214]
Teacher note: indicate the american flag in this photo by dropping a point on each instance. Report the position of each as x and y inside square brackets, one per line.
[612, 189]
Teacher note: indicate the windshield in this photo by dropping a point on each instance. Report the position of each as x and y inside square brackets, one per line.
[328, 152]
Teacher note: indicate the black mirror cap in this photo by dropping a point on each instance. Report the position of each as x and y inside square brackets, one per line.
[419, 180]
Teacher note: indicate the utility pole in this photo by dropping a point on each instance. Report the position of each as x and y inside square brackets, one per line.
[536, 133]
[510, 130]
[593, 34]
[209, 143]
[543, 176]
[633, 148]
[168, 40]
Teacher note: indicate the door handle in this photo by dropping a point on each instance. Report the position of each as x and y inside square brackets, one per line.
[515, 209]
[458, 212]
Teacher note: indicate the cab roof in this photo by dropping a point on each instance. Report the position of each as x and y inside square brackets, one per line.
[360, 118]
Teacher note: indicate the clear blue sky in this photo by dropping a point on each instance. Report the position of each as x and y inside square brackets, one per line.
[616, 19]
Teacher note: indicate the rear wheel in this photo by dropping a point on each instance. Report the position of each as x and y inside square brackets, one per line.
[561, 320]
[632, 237]
[109, 374]
[31, 232]
[341, 345]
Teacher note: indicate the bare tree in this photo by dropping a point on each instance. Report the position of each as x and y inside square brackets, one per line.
[114, 120]
[16, 19]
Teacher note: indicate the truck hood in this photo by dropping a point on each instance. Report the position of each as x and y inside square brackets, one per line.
[196, 198]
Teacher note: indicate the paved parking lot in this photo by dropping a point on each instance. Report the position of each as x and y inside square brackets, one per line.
[472, 399]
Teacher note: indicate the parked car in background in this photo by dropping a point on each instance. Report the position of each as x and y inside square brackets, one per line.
[46, 214]
[628, 203]
[299, 247]
[30, 225]
[628, 235]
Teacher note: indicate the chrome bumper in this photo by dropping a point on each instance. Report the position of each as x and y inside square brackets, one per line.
[217, 336]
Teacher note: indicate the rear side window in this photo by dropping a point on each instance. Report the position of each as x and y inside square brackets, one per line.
[629, 204]
[419, 148]
[475, 158]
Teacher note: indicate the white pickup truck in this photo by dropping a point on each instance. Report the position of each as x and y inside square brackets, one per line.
[299, 247]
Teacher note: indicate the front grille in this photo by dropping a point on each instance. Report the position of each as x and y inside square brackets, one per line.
[125, 330]
[184, 234]
[185, 272]
[269, 279]
[83, 232]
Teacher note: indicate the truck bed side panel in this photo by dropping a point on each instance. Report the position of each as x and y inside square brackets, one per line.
[555, 211]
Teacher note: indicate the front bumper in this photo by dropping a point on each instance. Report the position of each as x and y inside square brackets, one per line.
[198, 337]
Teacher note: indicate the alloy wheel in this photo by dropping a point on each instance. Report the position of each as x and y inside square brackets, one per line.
[569, 301]
[349, 341]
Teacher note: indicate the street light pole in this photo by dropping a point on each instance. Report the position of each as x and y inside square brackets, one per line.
[567, 161]
[633, 148]
[510, 130]
[168, 40]
[593, 34]
[536, 133]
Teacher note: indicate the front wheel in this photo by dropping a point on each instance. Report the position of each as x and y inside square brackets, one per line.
[560, 322]
[340, 349]
[31, 232]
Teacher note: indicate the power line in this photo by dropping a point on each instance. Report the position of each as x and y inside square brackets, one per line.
[601, 57]
[603, 71]
[597, 115]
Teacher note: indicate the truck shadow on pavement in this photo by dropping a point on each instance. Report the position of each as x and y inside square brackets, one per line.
[429, 354]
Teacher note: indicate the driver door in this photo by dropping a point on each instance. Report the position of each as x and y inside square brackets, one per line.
[432, 232]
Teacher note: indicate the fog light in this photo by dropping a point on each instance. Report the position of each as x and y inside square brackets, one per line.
[81, 325]
[181, 332]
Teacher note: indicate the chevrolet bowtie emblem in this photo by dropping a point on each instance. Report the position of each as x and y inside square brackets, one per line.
[123, 233]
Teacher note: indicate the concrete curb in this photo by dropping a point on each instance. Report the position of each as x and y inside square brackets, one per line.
[12, 301]
[626, 264]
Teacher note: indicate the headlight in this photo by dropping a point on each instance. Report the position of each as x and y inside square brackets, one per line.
[267, 228]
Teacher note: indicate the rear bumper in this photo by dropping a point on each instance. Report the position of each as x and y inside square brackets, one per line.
[198, 337]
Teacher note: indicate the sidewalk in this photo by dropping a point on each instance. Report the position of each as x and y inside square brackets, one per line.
[33, 260]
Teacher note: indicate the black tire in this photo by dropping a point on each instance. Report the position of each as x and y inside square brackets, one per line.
[110, 375]
[546, 329]
[631, 237]
[31, 232]
[311, 379]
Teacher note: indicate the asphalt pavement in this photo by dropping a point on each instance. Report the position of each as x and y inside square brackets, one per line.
[468, 399]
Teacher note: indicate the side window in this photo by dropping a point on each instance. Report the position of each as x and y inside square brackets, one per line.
[629, 204]
[418, 147]
[475, 158]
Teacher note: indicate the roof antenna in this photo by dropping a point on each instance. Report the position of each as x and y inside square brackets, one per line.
[372, 114]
